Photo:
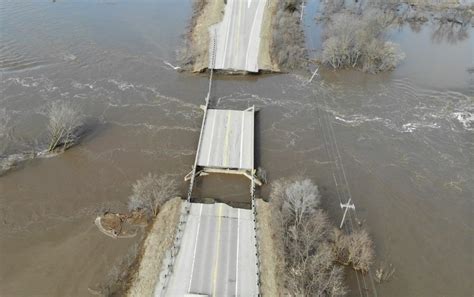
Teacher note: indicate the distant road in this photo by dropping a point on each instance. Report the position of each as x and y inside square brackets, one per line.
[217, 255]
[238, 35]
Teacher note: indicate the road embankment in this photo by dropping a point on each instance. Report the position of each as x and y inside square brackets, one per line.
[265, 61]
[206, 13]
[270, 257]
[159, 240]
[194, 56]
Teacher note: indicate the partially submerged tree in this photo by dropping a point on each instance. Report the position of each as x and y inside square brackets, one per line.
[355, 249]
[151, 192]
[301, 199]
[64, 121]
[304, 231]
[360, 41]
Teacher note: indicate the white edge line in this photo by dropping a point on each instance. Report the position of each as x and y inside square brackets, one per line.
[250, 39]
[237, 257]
[195, 248]
[227, 31]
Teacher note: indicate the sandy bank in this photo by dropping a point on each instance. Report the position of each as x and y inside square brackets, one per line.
[159, 240]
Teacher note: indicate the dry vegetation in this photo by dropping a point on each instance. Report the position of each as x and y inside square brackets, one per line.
[64, 124]
[355, 33]
[159, 240]
[300, 250]
[138, 272]
[194, 55]
[360, 41]
[64, 121]
[265, 61]
[288, 43]
[151, 192]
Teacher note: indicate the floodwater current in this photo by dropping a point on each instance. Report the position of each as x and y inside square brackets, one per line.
[403, 141]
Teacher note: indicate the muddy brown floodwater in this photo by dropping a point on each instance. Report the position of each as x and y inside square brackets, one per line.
[405, 140]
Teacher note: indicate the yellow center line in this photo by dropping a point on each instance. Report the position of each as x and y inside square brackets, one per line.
[214, 275]
[225, 156]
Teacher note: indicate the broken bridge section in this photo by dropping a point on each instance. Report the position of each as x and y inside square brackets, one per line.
[227, 143]
[238, 36]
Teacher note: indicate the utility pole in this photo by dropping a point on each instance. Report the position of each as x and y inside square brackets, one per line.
[346, 206]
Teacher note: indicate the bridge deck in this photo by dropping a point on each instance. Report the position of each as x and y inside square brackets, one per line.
[228, 140]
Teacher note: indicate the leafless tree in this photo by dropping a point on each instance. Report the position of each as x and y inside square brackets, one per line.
[304, 231]
[150, 192]
[64, 120]
[301, 199]
[355, 249]
[288, 48]
[360, 41]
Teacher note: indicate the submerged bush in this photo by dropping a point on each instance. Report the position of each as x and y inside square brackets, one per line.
[355, 249]
[354, 41]
[64, 121]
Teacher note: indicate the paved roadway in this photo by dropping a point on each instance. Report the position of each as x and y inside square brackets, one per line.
[217, 255]
[238, 35]
[227, 140]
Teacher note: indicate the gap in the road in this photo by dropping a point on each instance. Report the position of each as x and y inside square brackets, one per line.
[233, 190]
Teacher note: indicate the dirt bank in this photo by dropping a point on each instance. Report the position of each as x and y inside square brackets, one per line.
[271, 261]
[265, 61]
[158, 241]
[194, 56]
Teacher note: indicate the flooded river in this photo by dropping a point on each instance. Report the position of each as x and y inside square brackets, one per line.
[405, 140]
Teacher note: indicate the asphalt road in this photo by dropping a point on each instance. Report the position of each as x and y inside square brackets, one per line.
[217, 255]
[238, 35]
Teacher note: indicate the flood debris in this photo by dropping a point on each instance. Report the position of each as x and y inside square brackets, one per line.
[155, 209]
[117, 225]
[384, 273]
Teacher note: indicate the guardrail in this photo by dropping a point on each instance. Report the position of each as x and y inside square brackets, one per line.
[168, 263]
[254, 215]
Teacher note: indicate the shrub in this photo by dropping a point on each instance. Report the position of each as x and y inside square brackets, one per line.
[64, 121]
[151, 192]
[355, 249]
[304, 233]
[353, 41]
[288, 42]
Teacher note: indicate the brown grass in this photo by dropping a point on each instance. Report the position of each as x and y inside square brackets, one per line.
[265, 61]
[159, 240]
[210, 13]
[271, 259]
